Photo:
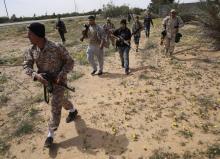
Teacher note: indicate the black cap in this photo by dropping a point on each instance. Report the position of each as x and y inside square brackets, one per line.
[38, 29]
[123, 21]
[91, 17]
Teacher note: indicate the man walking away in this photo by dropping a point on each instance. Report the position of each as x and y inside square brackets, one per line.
[129, 17]
[136, 31]
[61, 27]
[147, 23]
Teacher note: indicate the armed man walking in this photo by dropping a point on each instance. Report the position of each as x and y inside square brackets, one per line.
[50, 59]
[61, 27]
[171, 25]
[136, 31]
[109, 28]
[96, 37]
[147, 23]
[123, 35]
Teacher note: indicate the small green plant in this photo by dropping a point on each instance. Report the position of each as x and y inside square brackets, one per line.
[187, 155]
[12, 61]
[75, 75]
[213, 151]
[2, 88]
[3, 99]
[160, 134]
[159, 154]
[3, 147]
[194, 74]
[81, 58]
[24, 128]
[32, 112]
[150, 45]
[186, 133]
[143, 77]
[205, 101]
[38, 98]
[3, 79]
[110, 51]
[72, 43]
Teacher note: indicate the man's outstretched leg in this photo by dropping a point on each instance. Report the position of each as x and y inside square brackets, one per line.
[58, 100]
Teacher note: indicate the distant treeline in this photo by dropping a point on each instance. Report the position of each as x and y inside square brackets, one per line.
[109, 10]
[20, 19]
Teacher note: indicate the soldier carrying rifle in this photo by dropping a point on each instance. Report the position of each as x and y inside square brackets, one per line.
[123, 35]
[50, 58]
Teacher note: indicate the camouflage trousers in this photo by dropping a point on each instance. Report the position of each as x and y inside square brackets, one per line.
[58, 101]
[170, 44]
[112, 41]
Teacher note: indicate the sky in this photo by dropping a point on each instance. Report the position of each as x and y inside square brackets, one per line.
[41, 7]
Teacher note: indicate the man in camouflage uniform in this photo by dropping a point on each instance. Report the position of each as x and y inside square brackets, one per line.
[109, 28]
[96, 45]
[136, 31]
[53, 59]
[171, 25]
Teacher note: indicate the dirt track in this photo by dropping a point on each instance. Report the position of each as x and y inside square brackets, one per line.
[170, 105]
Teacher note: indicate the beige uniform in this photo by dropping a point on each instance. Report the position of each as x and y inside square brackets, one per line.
[53, 59]
[172, 26]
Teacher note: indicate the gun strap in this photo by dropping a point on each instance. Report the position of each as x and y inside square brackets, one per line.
[46, 95]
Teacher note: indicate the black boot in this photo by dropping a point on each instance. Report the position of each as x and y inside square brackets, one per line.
[100, 73]
[48, 143]
[122, 65]
[127, 71]
[93, 72]
[71, 116]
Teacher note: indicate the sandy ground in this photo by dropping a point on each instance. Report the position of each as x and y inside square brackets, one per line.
[165, 104]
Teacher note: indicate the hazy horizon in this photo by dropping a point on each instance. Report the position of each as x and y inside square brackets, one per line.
[41, 7]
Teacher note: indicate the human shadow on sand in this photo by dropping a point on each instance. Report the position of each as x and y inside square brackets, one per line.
[90, 140]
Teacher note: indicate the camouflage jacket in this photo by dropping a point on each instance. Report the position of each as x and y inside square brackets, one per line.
[53, 59]
[137, 28]
[108, 27]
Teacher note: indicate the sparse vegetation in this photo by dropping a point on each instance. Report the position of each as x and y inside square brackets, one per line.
[37, 98]
[3, 99]
[3, 147]
[213, 151]
[75, 76]
[150, 45]
[163, 101]
[32, 112]
[11, 61]
[186, 133]
[143, 77]
[159, 154]
[25, 127]
[210, 18]
[81, 58]
[3, 78]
